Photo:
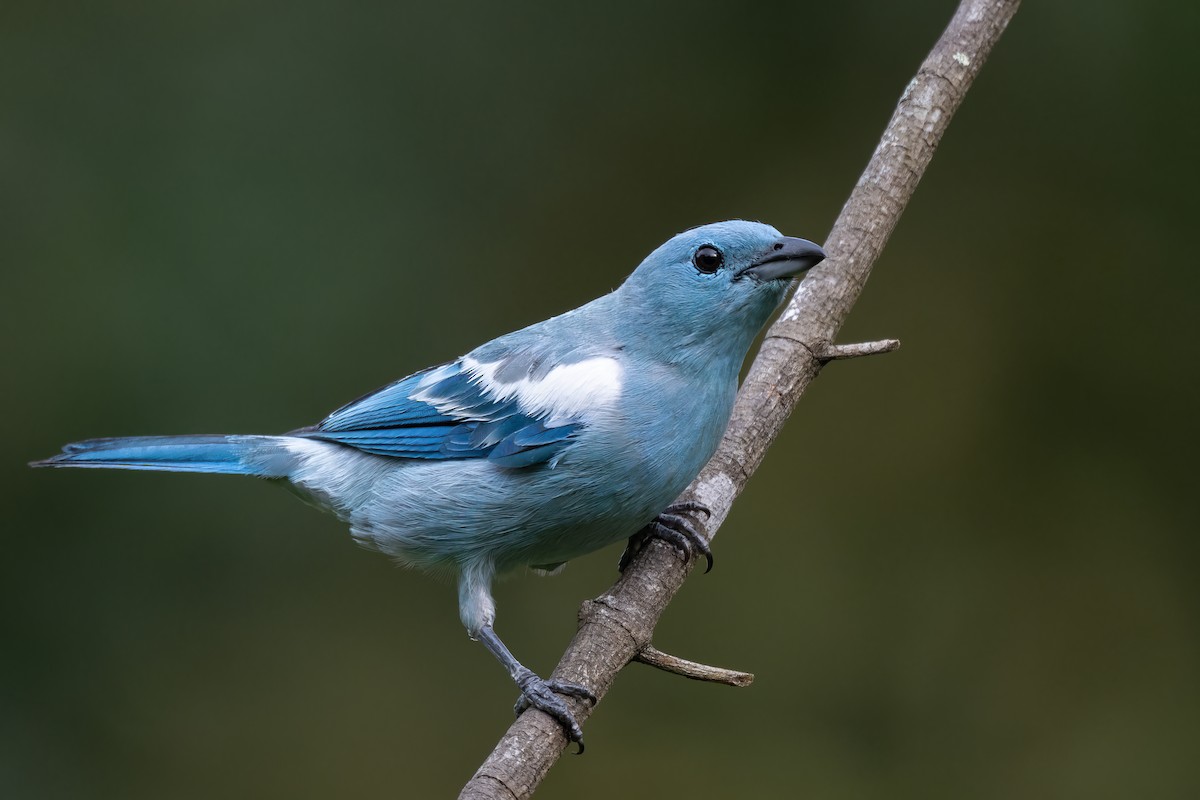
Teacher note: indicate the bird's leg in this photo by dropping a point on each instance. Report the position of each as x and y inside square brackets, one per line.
[538, 693]
[478, 612]
[674, 529]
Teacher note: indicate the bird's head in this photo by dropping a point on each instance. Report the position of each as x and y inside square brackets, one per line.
[718, 282]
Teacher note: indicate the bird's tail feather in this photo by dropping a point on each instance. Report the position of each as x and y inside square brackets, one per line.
[264, 456]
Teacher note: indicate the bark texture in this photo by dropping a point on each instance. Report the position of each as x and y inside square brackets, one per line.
[617, 627]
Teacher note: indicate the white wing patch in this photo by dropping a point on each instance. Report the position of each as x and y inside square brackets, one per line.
[567, 391]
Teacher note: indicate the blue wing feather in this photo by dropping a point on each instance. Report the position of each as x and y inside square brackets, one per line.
[532, 444]
[445, 413]
[537, 435]
[390, 406]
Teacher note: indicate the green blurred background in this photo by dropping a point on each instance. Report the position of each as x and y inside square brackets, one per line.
[967, 569]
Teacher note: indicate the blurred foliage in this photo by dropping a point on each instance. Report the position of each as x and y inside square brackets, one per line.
[968, 569]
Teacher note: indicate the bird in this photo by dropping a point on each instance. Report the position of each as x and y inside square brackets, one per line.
[538, 447]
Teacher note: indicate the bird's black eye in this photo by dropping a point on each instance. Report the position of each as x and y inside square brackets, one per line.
[708, 259]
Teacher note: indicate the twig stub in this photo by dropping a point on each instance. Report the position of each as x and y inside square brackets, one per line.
[696, 671]
[838, 352]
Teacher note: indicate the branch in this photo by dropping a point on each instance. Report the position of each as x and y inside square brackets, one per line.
[617, 626]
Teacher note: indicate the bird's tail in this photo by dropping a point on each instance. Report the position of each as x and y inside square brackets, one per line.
[264, 456]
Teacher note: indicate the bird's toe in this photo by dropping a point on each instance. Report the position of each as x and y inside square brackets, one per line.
[677, 530]
[544, 696]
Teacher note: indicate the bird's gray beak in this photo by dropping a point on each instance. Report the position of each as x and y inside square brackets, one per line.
[787, 258]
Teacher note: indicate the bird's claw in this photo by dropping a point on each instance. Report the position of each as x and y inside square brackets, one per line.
[689, 507]
[543, 695]
[674, 529]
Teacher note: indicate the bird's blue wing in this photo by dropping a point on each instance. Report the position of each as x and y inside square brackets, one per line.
[456, 412]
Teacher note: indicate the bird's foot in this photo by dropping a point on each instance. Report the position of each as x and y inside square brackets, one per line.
[674, 529]
[543, 695]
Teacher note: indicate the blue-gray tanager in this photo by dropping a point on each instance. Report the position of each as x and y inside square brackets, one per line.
[537, 447]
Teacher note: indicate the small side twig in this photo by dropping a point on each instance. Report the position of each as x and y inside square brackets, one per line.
[690, 669]
[839, 352]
